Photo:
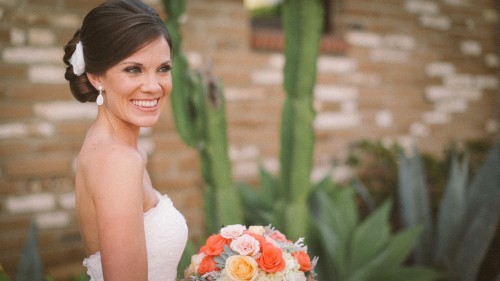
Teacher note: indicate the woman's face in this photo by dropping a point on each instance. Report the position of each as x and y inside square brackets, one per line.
[136, 88]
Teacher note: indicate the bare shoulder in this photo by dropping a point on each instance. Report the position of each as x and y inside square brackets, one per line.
[111, 167]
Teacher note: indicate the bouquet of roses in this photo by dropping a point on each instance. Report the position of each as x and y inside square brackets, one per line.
[255, 254]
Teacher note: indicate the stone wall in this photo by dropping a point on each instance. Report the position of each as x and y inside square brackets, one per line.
[413, 69]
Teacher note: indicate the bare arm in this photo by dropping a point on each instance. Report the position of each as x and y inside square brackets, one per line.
[117, 190]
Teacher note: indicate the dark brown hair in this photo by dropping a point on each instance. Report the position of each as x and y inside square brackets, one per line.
[110, 33]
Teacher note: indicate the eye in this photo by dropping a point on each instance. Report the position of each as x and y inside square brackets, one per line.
[165, 68]
[133, 69]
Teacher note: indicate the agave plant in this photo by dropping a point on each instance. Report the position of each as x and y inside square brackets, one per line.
[30, 264]
[349, 249]
[467, 218]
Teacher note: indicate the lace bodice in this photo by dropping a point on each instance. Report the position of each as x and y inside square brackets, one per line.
[166, 236]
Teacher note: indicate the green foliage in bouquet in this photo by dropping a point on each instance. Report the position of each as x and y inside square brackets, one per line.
[468, 215]
[199, 112]
[302, 23]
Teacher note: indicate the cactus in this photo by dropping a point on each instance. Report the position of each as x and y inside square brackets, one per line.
[302, 22]
[199, 113]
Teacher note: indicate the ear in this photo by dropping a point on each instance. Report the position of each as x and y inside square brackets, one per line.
[95, 80]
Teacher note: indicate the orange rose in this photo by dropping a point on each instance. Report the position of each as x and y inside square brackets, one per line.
[303, 259]
[207, 264]
[241, 268]
[271, 259]
[215, 245]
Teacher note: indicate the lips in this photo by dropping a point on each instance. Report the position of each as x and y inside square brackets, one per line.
[145, 103]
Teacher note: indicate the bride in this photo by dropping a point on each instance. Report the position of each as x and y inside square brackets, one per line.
[121, 59]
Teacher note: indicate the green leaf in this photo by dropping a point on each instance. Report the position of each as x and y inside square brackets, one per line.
[394, 254]
[481, 218]
[250, 197]
[255, 209]
[414, 203]
[269, 191]
[452, 211]
[340, 211]
[333, 248]
[336, 218]
[30, 264]
[364, 193]
[370, 236]
[413, 274]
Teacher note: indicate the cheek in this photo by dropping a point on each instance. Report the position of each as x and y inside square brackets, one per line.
[167, 87]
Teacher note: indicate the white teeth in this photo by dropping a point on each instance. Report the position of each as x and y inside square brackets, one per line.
[145, 103]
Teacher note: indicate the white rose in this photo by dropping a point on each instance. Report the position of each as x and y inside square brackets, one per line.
[232, 231]
[295, 276]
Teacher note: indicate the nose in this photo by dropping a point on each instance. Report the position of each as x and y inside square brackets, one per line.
[151, 84]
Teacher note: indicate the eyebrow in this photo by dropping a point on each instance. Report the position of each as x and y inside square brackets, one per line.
[140, 64]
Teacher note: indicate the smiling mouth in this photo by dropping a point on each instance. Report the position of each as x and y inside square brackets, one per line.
[145, 103]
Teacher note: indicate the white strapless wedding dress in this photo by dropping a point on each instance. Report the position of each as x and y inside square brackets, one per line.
[166, 236]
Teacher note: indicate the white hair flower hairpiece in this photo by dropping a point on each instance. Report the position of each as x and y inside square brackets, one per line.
[77, 60]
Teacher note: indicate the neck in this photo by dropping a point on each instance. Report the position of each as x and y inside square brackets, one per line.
[117, 129]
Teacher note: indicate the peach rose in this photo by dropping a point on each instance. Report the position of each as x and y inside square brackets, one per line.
[232, 231]
[278, 236]
[215, 245]
[195, 263]
[245, 245]
[303, 259]
[257, 229]
[207, 264]
[241, 268]
[271, 259]
[259, 238]
[272, 241]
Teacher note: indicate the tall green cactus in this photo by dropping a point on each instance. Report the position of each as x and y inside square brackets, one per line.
[302, 22]
[199, 113]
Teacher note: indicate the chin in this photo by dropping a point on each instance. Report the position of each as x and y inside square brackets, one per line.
[147, 122]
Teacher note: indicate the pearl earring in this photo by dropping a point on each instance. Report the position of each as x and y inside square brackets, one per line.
[100, 98]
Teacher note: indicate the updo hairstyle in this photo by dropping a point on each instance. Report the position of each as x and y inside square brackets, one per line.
[110, 33]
